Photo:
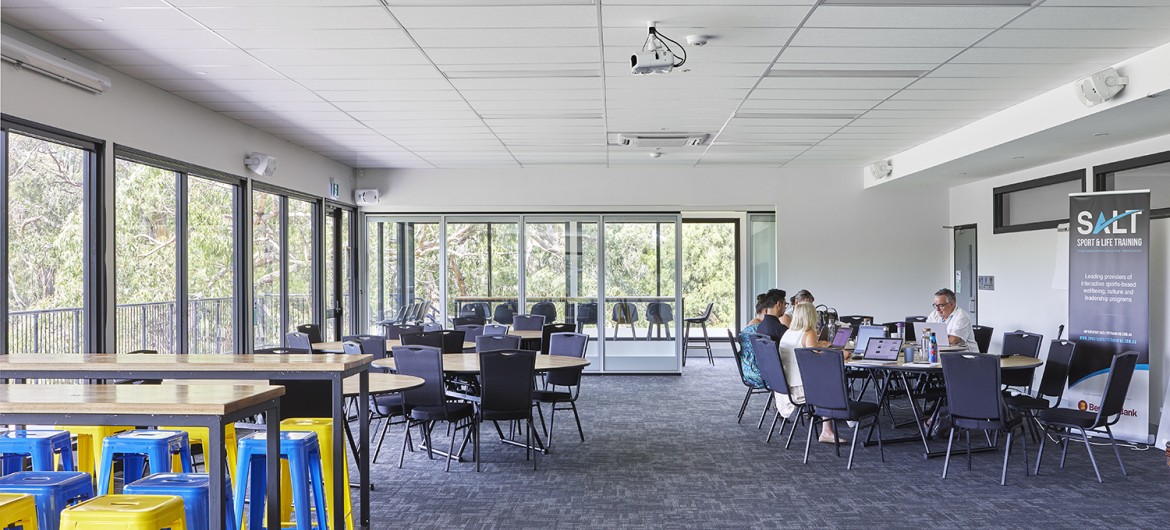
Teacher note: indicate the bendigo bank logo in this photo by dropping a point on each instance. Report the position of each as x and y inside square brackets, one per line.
[1082, 406]
[1112, 225]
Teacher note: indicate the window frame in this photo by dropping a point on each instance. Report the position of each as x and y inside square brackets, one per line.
[1103, 176]
[317, 283]
[738, 224]
[1003, 225]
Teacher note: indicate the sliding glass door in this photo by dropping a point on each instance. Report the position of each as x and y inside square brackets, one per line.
[483, 272]
[642, 303]
[561, 274]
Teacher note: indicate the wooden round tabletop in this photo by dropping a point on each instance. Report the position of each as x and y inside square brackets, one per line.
[336, 346]
[381, 383]
[468, 363]
[1013, 362]
[526, 334]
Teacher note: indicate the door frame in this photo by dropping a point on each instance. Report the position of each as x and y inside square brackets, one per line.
[974, 262]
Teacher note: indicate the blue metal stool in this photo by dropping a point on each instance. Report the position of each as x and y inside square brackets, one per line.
[54, 491]
[155, 446]
[195, 490]
[303, 453]
[40, 445]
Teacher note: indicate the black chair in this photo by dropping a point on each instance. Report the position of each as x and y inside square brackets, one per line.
[586, 313]
[504, 313]
[823, 373]
[701, 320]
[569, 345]
[496, 343]
[659, 316]
[855, 321]
[549, 329]
[1053, 381]
[365, 344]
[470, 332]
[506, 382]
[910, 320]
[447, 340]
[624, 313]
[302, 398]
[1026, 344]
[495, 329]
[299, 342]
[772, 372]
[983, 336]
[527, 322]
[382, 406]
[976, 403]
[475, 309]
[428, 327]
[394, 331]
[546, 309]
[891, 327]
[425, 405]
[1061, 422]
[752, 389]
[312, 330]
[467, 321]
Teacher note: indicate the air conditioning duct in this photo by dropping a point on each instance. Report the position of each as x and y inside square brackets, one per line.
[656, 140]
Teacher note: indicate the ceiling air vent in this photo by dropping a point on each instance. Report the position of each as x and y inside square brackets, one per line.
[661, 139]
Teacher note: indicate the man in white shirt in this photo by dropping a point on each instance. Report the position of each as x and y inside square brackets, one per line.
[958, 321]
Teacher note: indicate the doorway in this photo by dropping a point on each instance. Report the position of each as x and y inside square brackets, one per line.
[966, 269]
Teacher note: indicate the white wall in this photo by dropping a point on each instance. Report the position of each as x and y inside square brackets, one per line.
[1023, 263]
[826, 222]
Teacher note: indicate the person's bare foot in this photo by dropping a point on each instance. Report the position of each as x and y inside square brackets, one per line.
[828, 439]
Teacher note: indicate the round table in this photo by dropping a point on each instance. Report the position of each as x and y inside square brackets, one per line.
[381, 383]
[336, 346]
[468, 363]
[1013, 362]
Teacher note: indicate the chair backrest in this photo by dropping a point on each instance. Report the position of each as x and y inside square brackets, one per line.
[768, 362]
[527, 322]
[734, 339]
[504, 313]
[707, 312]
[351, 347]
[1022, 343]
[312, 330]
[1056, 367]
[973, 386]
[587, 313]
[367, 344]
[496, 342]
[470, 331]
[394, 331]
[467, 320]
[431, 326]
[495, 329]
[506, 380]
[548, 329]
[299, 342]
[546, 309]
[1116, 388]
[478, 309]
[568, 345]
[424, 362]
[450, 340]
[910, 320]
[823, 373]
[659, 313]
[855, 321]
[421, 339]
[624, 312]
[983, 336]
[891, 328]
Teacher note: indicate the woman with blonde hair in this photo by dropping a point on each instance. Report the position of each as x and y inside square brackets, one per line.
[801, 334]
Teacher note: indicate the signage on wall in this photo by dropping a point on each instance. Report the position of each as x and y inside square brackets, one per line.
[985, 283]
[334, 189]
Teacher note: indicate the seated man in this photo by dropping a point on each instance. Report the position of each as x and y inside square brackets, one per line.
[774, 305]
[958, 321]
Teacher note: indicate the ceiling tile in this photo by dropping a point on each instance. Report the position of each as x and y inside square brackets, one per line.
[292, 18]
[500, 16]
[1113, 17]
[534, 37]
[912, 17]
[715, 15]
[97, 18]
[1075, 38]
[953, 38]
[317, 39]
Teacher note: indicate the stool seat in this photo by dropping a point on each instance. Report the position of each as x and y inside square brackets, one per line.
[156, 447]
[40, 445]
[89, 443]
[194, 489]
[18, 509]
[303, 453]
[53, 491]
[134, 512]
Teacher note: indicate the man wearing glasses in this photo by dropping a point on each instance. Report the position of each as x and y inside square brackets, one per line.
[958, 321]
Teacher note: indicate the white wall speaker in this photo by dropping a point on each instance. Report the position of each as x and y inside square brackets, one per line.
[881, 170]
[365, 197]
[260, 163]
[1100, 87]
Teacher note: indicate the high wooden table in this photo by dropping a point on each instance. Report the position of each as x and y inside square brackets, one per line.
[205, 405]
[468, 363]
[319, 367]
[336, 346]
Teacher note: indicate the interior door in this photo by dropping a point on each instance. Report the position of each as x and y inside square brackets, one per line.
[966, 267]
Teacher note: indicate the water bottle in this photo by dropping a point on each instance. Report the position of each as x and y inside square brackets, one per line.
[933, 348]
[924, 342]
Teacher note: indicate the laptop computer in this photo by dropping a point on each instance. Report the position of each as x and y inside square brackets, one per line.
[940, 334]
[841, 338]
[880, 350]
[864, 333]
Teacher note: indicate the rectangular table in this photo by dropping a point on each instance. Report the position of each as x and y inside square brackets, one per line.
[303, 366]
[206, 405]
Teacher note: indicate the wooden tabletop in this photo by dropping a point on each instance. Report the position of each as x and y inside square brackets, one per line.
[202, 399]
[104, 362]
[336, 347]
[381, 383]
[1014, 362]
[526, 334]
[468, 363]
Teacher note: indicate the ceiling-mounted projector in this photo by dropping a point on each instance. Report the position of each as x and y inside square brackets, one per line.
[260, 164]
[656, 56]
[1100, 87]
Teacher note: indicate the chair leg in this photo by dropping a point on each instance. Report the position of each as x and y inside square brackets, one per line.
[852, 447]
[767, 406]
[1024, 442]
[1007, 452]
[405, 437]
[540, 412]
[881, 450]
[798, 414]
[1093, 459]
[1115, 451]
[947, 460]
[580, 431]
[707, 341]
[552, 423]
[686, 340]
[808, 440]
[450, 451]
[385, 427]
[475, 440]
[743, 407]
[532, 435]
[836, 436]
[772, 429]
[427, 438]
[1040, 453]
[968, 432]
[1064, 449]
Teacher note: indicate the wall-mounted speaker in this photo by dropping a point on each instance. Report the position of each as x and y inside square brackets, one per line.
[365, 197]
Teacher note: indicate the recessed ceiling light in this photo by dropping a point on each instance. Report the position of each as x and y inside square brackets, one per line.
[1101, 134]
[846, 73]
[796, 115]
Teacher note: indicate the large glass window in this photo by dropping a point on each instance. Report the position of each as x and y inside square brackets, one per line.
[761, 257]
[267, 248]
[146, 259]
[1150, 172]
[481, 267]
[1035, 204]
[338, 276]
[211, 236]
[639, 272]
[300, 264]
[404, 270]
[709, 267]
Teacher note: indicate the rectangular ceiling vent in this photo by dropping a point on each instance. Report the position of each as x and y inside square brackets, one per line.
[661, 139]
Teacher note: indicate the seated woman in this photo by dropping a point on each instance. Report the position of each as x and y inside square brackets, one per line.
[800, 297]
[801, 334]
[751, 374]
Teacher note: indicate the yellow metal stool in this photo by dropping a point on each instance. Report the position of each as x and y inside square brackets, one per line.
[126, 512]
[18, 509]
[89, 443]
[199, 435]
[323, 427]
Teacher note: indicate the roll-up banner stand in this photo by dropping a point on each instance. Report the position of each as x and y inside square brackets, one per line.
[1109, 300]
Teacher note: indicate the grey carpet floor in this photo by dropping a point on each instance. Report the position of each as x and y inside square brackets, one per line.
[666, 452]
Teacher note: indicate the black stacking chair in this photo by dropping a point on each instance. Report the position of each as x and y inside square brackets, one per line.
[1022, 343]
[549, 329]
[1052, 382]
[527, 322]
[495, 329]
[983, 336]
[855, 321]
[823, 373]
[431, 326]
[366, 344]
[470, 332]
[624, 313]
[976, 403]
[299, 342]
[496, 343]
[504, 313]
[382, 406]
[546, 309]
[910, 320]
[751, 388]
[569, 345]
[1061, 422]
[394, 331]
[428, 404]
[659, 315]
[475, 309]
[772, 371]
[506, 381]
[467, 321]
[586, 314]
[891, 328]
[312, 330]
[701, 321]
[447, 340]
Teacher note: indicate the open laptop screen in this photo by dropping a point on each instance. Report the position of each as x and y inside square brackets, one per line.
[864, 333]
[841, 337]
[880, 349]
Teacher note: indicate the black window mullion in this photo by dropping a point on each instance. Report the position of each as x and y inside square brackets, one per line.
[242, 267]
[96, 274]
[181, 235]
[4, 241]
[284, 301]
